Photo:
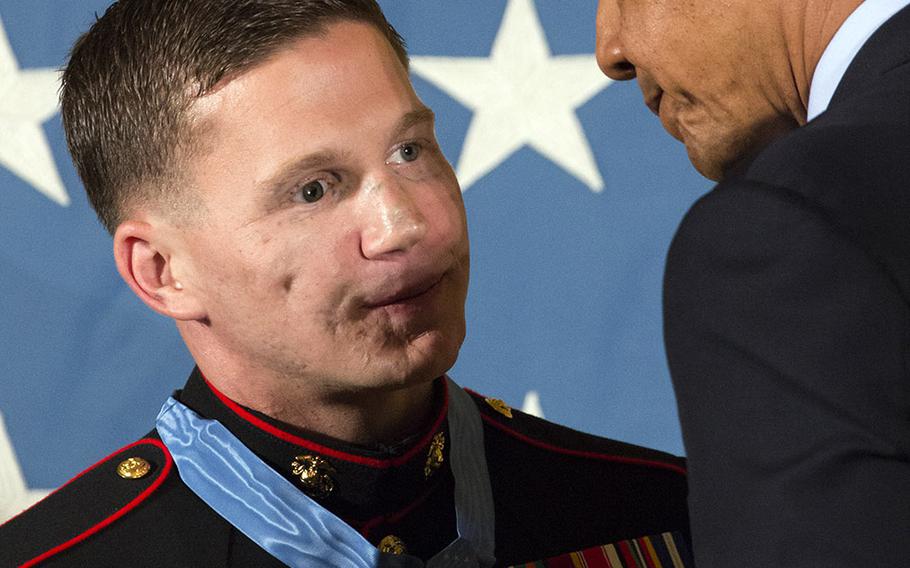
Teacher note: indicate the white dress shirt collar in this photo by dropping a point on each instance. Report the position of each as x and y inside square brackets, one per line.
[846, 43]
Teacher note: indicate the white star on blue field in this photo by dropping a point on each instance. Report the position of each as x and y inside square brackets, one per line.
[28, 97]
[520, 95]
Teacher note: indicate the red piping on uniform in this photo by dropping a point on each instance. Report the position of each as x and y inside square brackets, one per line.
[121, 512]
[582, 454]
[325, 450]
[51, 494]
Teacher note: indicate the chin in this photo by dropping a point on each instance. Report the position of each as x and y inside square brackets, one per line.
[706, 167]
[432, 355]
[421, 360]
[715, 156]
[725, 150]
[702, 145]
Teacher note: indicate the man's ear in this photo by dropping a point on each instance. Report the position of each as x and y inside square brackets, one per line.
[146, 266]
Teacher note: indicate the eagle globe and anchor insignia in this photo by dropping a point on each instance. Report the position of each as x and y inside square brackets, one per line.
[435, 456]
[133, 468]
[315, 475]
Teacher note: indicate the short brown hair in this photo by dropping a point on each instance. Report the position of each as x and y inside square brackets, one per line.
[133, 76]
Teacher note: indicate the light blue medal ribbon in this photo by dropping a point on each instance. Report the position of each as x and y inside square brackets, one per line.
[297, 530]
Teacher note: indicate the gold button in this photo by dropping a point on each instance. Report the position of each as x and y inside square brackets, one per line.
[133, 468]
[315, 475]
[434, 455]
[499, 406]
[392, 545]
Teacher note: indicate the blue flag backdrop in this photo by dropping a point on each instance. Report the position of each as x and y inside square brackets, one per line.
[573, 193]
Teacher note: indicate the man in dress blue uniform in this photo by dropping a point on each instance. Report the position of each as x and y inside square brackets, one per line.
[787, 290]
[273, 184]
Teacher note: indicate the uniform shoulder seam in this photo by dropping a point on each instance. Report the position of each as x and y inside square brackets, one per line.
[629, 460]
[135, 502]
[586, 454]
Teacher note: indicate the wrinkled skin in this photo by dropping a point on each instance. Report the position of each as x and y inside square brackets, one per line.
[725, 77]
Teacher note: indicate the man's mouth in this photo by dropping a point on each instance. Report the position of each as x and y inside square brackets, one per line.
[652, 101]
[407, 292]
[651, 91]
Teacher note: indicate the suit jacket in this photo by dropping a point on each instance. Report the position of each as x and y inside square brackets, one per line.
[556, 491]
[787, 326]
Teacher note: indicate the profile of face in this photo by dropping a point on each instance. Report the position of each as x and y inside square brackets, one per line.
[703, 68]
[333, 244]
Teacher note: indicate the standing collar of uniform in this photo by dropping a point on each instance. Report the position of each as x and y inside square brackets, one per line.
[843, 48]
[367, 483]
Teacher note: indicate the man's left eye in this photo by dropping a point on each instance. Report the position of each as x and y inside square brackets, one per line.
[405, 153]
[310, 192]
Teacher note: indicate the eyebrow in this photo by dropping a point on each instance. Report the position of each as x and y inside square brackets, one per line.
[411, 119]
[288, 173]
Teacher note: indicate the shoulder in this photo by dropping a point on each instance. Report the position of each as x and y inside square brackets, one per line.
[858, 135]
[834, 188]
[565, 490]
[849, 150]
[786, 207]
[851, 163]
[128, 501]
[531, 433]
[739, 217]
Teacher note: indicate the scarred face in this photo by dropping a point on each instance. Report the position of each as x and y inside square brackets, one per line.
[334, 246]
[711, 70]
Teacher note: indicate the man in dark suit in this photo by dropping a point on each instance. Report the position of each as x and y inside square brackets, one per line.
[273, 184]
[787, 289]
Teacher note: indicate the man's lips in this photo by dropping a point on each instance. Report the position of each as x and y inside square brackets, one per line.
[652, 100]
[650, 90]
[404, 292]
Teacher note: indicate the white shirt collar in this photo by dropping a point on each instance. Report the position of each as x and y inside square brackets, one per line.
[849, 39]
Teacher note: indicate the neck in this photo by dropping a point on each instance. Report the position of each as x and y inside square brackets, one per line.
[361, 416]
[355, 414]
[808, 27]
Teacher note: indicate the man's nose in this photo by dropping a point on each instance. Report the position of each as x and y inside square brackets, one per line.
[610, 52]
[394, 221]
